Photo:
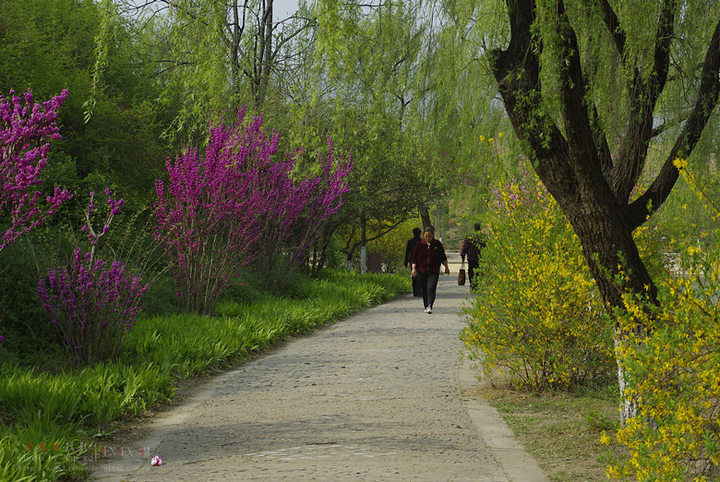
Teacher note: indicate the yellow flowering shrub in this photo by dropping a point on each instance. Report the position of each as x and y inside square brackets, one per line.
[537, 314]
[673, 371]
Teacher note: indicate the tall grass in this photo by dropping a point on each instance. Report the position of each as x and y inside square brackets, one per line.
[50, 423]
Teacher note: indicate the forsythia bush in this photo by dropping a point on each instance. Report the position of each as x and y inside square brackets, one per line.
[672, 369]
[537, 313]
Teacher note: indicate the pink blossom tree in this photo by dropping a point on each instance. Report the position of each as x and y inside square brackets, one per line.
[299, 212]
[26, 131]
[219, 212]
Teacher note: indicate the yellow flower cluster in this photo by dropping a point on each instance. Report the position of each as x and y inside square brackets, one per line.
[537, 313]
[671, 355]
[491, 140]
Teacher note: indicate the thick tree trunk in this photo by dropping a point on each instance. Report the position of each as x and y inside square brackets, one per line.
[591, 188]
[608, 247]
[609, 250]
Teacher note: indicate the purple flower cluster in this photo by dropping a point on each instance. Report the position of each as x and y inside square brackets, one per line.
[26, 130]
[299, 209]
[521, 192]
[215, 210]
[93, 304]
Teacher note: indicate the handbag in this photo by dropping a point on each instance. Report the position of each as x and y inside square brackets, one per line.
[461, 275]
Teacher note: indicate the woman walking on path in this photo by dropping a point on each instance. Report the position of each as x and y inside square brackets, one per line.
[428, 254]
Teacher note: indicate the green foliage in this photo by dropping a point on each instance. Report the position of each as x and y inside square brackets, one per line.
[391, 247]
[48, 421]
[49, 45]
[537, 313]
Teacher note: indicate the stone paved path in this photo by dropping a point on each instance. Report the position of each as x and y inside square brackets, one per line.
[379, 396]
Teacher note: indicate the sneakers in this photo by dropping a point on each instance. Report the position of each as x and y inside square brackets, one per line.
[428, 310]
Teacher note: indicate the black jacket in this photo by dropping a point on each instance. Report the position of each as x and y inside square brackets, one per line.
[409, 249]
[472, 245]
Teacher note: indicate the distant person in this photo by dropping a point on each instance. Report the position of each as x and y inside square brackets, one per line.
[471, 247]
[408, 259]
[427, 256]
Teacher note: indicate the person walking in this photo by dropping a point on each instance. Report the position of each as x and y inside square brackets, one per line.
[427, 256]
[408, 260]
[472, 245]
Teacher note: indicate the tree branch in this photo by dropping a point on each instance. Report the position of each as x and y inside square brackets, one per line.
[613, 25]
[643, 97]
[578, 128]
[665, 126]
[705, 104]
[517, 71]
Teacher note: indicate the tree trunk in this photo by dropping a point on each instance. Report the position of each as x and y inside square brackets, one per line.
[363, 247]
[610, 250]
[425, 216]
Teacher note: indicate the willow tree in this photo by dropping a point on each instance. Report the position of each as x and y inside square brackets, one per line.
[586, 85]
[215, 56]
[369, 58]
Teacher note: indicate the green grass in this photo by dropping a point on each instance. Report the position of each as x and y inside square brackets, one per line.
[50, 421]
[562, 430]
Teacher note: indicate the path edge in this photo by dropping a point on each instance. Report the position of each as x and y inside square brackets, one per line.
[514, 460]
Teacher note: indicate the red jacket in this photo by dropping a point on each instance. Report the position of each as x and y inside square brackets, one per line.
[428, 258]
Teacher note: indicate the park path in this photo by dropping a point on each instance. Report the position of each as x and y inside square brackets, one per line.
[382, 395]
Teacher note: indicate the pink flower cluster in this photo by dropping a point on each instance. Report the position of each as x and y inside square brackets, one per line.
[26, 130]
[524, 192]
[298, 213]
[214, 210]
[93, 304]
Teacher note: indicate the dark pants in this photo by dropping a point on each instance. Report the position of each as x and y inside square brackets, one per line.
[428, 286]
[472, 267]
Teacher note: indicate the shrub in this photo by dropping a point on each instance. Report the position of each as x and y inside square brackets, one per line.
[537, 313]
[296, 215]
[92, 303]
[25, 135]
[214, 212]
[672, 368]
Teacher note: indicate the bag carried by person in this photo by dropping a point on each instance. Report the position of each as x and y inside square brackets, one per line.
[417, 290]
[461, 275]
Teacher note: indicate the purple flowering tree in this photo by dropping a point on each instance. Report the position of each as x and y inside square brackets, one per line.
[26, 131]
[92, 303]
[207, 213]
[298, 212]
[237, 203]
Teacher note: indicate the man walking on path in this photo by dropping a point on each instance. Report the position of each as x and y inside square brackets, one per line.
[472, 245]
[381, 395]
[408, 260]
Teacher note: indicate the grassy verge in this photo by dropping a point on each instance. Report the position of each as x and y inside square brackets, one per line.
[562, 430]
[49, 422]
